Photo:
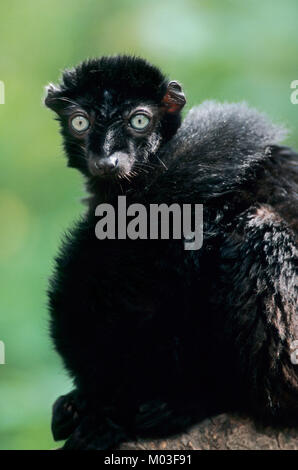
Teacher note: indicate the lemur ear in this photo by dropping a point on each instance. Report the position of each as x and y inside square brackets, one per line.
[174, 99]
[53, 98]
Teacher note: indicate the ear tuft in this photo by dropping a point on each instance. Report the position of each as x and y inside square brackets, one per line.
[174, 99]
[52, 97]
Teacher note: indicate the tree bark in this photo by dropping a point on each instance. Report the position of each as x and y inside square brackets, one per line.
[223, 432]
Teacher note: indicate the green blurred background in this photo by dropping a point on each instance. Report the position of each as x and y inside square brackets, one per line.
[227, 50]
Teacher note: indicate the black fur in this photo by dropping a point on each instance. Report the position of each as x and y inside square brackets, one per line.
[156, 337]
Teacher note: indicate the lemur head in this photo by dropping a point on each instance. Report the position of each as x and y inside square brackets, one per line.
[115, 113]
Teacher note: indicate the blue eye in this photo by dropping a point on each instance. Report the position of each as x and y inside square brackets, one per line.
[80, 123]
[139, 121]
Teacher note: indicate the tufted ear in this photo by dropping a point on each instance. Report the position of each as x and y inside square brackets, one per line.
[174, 99]
[54, 99]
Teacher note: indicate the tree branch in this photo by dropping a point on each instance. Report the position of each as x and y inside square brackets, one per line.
[223, 432]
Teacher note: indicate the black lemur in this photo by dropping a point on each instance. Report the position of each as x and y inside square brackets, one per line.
[157, 337]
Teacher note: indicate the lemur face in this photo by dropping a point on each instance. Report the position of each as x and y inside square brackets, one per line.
[111, 123]
[109, 136]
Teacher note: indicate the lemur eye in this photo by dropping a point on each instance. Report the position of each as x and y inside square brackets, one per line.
[80, 123]
[139, 121]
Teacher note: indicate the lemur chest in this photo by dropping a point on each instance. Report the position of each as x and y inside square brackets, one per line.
[113, 280]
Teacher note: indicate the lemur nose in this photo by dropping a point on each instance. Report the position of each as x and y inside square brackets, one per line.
[103, 166]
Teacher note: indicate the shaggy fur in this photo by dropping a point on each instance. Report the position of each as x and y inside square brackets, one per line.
[156, 337]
